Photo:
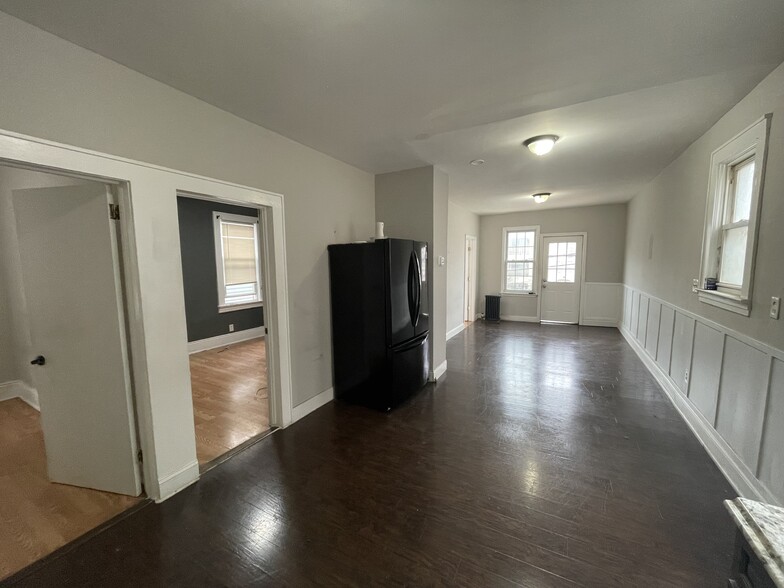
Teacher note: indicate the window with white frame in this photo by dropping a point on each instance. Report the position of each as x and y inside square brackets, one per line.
[237, 261]
[520, 254]
[731, 218]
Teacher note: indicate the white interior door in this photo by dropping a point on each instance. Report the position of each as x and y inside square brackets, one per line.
[70, 271]
[561, 278]
[469, 289]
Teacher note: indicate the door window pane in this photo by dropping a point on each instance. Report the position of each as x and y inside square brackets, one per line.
[561, 262]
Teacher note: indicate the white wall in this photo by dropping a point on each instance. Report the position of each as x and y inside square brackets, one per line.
[15, 339]
[56, 90]
[734, 393]
[462, 222]
[604, 251]
[413, 204]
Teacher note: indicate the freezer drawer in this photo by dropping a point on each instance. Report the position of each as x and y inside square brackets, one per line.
[409, 365]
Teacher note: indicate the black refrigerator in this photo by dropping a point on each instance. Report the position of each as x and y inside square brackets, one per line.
[380, 320]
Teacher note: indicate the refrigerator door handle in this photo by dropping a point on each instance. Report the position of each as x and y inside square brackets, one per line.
[418, 289]
[411, 294]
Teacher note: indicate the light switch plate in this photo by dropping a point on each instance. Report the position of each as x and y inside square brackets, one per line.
[775, 307]
[441, 260]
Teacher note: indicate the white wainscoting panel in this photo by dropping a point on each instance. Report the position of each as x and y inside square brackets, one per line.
[682, 345]
[771, 461]
[642, 325]
[602, 303]
[742, 395]
[652, 332]
[734, 400]
[706, 370]
[664, 347]
[635, 318]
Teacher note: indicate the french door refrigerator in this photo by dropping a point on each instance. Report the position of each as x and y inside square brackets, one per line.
[380, 320]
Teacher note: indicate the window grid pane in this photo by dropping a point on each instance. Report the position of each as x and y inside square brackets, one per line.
[520, 255]
[743, 181]
[733, 256]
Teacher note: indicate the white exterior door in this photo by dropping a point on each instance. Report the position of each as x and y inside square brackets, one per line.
[561, 278]
[70, 271]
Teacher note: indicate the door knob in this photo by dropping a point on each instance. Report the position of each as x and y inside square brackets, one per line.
[40, 360]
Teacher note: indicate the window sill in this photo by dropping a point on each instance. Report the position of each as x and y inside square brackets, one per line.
[233, 307]
[726, 301]
[522, 294]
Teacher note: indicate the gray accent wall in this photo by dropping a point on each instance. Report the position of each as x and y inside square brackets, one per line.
[199, 273]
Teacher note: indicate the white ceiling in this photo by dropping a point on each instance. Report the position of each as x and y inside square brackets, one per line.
[392, 84]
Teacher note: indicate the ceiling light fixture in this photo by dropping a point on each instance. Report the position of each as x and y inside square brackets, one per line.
[476, 162]
[541, 144]
[541, 197]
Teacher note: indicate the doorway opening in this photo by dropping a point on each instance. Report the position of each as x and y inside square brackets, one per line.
[563, 277]
[69, 450]
[224, 285]
[469, 283]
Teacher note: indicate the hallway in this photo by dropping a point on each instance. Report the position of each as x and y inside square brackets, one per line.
[547, 456]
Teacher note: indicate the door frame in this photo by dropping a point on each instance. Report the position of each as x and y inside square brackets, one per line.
[469, 268]
[152, 273]
[266, 244]
[543, 259]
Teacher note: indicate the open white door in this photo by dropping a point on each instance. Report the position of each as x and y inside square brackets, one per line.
[70, 270]
[562, 278]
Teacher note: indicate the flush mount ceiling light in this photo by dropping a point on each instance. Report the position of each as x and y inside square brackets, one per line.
[476, 162]
[541, 197]
[541, 144]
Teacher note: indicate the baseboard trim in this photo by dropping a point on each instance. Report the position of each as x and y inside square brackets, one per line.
[519, 319]
[437, 373]
[227, 339]
[18, 389]
[600, 322]
[179, 480]
[456, 331]
[734, 470]
[304, 409]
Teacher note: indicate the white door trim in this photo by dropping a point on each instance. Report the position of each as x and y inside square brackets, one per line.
[543, 258]
[157, 385]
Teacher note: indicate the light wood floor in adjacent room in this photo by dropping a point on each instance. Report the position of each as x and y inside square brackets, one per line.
[230, 397]
[37, 516]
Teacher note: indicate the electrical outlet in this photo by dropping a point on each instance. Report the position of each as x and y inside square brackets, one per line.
[775, 307]
[231, 327]
[686, 377]
[695, 283]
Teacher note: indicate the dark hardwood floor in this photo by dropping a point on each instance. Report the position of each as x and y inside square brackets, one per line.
[547, 456]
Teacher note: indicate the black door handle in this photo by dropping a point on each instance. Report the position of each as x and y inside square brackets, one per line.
[40, 360]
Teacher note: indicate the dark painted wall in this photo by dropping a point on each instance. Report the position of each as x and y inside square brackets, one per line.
[200, 279]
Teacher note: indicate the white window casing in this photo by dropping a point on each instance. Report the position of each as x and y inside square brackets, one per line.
[237, 261]
[725, 256]
[520, 261]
